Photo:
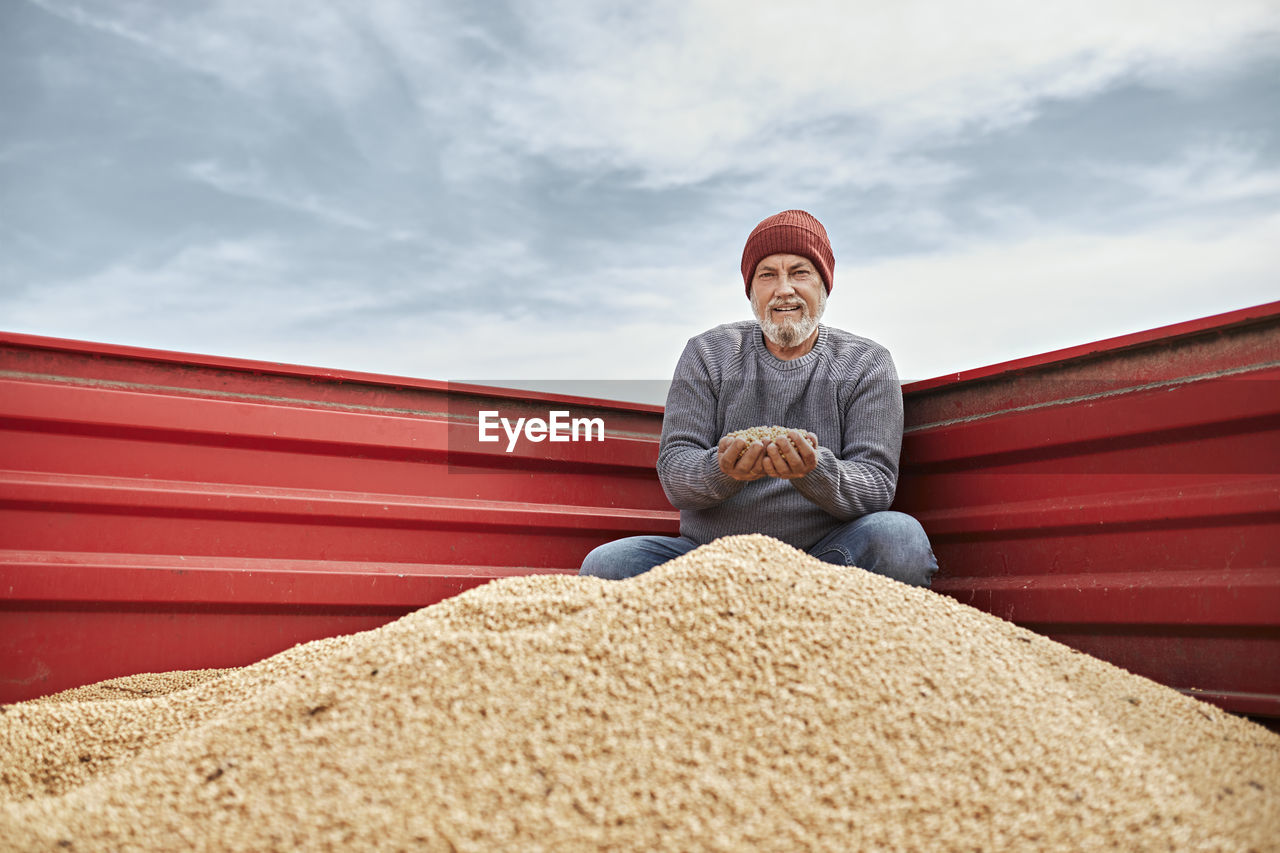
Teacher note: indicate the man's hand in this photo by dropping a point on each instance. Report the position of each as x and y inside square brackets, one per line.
[786, 461]
[739, 463]
[789, 461]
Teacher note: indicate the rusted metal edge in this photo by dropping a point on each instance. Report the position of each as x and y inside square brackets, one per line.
[1266, 312]
[1260, 704]
[1167, 384]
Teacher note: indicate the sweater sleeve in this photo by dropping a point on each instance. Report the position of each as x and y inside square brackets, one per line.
[687, 464]
[864, 476]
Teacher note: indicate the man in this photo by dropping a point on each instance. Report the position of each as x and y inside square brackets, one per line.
[827, 491]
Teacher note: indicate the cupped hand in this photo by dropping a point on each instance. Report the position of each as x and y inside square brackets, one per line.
[792, 459]
[740, 460]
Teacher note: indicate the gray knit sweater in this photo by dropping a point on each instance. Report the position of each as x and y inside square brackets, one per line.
[845, 391]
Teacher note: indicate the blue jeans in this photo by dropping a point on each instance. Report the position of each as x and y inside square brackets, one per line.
[888, 543]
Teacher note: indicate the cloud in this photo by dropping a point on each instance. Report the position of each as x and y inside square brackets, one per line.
[460, 191]
[987, 303]
[227, 296]
[256, 49]
[680, 92]
[255, 183]
[372, 68]
[1206, 172]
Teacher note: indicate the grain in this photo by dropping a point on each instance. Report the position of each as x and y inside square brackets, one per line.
[767, 435]
[143, 684]
[742, 697]
[764, 434]
[760, 433]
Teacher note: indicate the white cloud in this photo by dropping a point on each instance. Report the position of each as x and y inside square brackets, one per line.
[260, 48]
[682, 91]
[259, 299]
[827, 92]
[373, 67]
[255, 183]
[989, 303]
[938, 314]
[806, 102]
[216, 297]
[1207, 172]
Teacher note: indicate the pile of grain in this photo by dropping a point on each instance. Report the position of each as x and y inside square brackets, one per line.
[743, 697]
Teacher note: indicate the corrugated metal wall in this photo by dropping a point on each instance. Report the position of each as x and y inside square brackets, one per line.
[162, 511]
[167, 511]
[1121, 497]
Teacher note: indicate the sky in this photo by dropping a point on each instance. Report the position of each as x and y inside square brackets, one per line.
[553, 192]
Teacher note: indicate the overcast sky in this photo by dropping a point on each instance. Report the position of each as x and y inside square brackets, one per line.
[561, 190]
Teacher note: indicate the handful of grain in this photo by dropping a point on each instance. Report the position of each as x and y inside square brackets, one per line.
[767, 435]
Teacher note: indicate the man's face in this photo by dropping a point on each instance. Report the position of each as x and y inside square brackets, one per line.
[788, 298]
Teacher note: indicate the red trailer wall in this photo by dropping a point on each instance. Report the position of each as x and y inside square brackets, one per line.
[161, 511]
[1122, 497]
[165, 511]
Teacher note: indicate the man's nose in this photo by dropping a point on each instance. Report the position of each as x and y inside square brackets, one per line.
[786, 285]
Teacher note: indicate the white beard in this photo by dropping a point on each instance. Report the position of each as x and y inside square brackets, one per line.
[790, 333]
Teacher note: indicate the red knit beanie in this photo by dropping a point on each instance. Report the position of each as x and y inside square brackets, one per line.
[792, 232]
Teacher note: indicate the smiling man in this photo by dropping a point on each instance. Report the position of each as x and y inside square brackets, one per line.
[827, 488]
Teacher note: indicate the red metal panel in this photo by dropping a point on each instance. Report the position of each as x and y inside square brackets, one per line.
[1122, 497]
[162, 511]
